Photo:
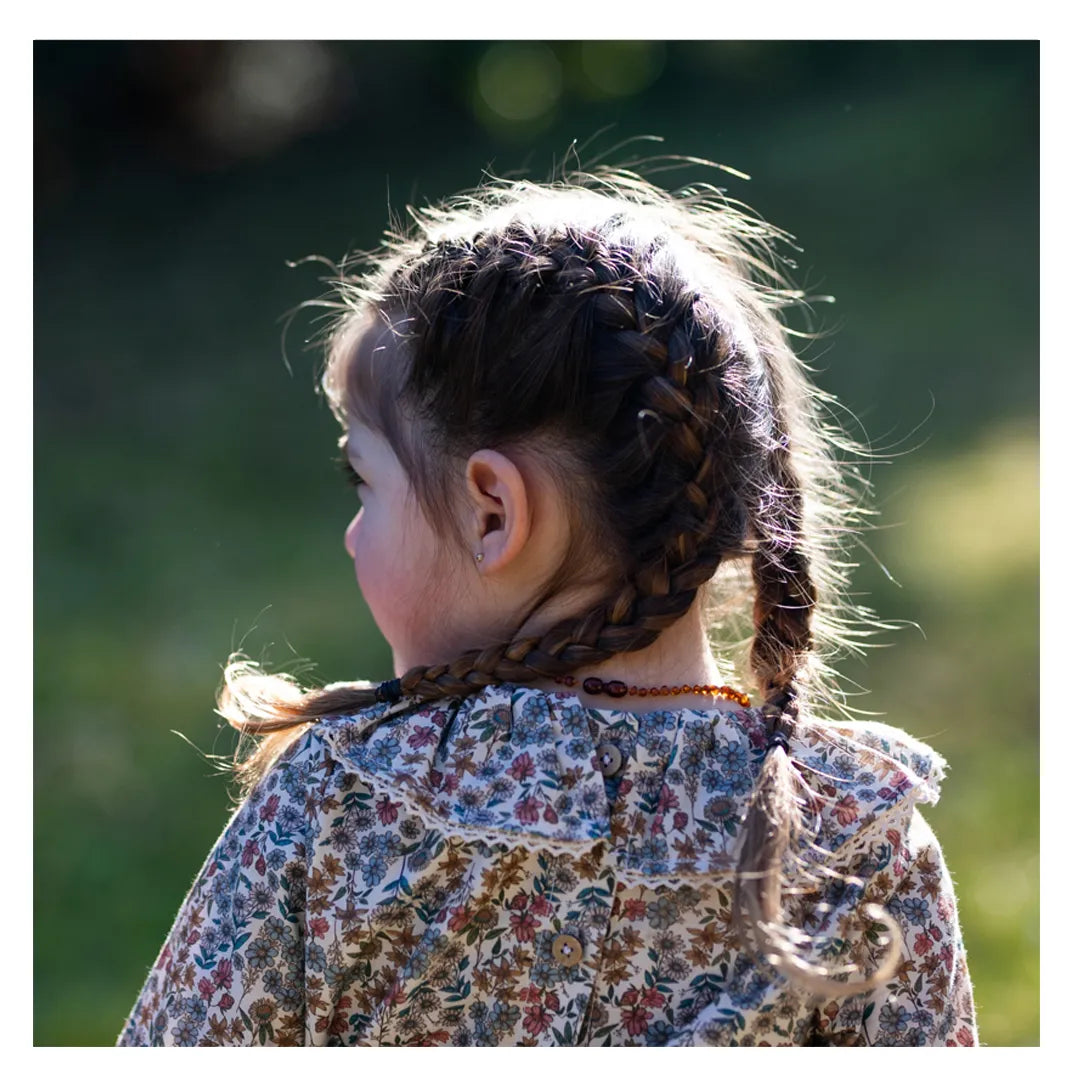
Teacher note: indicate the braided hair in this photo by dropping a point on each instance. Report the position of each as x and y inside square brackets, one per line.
[633, 337]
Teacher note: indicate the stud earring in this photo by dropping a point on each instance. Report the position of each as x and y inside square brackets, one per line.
[479, 556]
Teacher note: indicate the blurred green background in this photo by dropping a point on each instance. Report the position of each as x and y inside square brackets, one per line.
[186, 500]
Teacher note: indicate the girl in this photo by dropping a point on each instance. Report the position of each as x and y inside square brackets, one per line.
[575, 424]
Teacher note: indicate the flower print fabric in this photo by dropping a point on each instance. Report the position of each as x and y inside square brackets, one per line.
[463, 873]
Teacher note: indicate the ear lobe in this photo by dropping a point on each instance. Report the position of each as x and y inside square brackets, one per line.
[500, 505]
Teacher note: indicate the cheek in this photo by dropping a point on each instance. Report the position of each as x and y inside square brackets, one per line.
[379, 567]
[394, 570]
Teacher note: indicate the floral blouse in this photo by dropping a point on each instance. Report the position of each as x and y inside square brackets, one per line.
[514, 868]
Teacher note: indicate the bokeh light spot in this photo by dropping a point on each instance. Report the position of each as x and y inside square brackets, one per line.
[269, 92]
[519, 81]
[621, 68]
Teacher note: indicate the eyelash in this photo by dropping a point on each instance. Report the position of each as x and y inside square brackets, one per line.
[354, 478]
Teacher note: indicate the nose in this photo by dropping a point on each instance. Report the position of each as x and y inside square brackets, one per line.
[350, 531]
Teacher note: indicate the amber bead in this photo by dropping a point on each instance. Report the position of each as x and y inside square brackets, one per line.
[617, 688]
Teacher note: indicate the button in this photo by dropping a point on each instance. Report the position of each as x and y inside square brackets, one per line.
[610, 758]
[566, 950]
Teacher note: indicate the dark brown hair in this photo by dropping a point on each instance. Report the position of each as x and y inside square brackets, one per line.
[632, 339]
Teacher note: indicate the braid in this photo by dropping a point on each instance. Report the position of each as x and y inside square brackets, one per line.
[785, 597]
[785, 601]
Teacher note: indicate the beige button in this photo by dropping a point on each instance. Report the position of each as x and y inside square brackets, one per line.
[566, 950]
[610, 758]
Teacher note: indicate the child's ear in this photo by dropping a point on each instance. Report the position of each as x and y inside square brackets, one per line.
[500, 521]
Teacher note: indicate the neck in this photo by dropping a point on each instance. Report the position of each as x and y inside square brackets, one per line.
[680, 656]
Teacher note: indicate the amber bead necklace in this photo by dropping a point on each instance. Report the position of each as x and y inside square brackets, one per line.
[390, 690]
[616, 688]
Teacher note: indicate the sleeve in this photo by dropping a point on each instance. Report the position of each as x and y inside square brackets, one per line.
[927, 1001]
[231, 971]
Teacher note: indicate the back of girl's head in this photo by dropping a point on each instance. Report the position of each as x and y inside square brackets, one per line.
[630, 340]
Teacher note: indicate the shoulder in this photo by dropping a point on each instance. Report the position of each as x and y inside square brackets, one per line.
[864, 778]
[876, 745]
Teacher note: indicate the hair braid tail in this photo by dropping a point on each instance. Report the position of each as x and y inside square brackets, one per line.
[775, 825]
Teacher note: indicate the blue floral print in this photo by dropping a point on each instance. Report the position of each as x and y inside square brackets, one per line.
[401, 877]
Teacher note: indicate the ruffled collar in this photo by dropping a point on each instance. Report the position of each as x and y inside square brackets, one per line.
[514, 764]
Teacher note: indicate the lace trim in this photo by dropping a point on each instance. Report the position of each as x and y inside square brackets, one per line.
[859, 843]
[486, 834]
[643, 877]
[535, 843]
[855, 846]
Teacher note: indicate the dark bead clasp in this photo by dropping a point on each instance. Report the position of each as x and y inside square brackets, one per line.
[777, 738]
[389, 691]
